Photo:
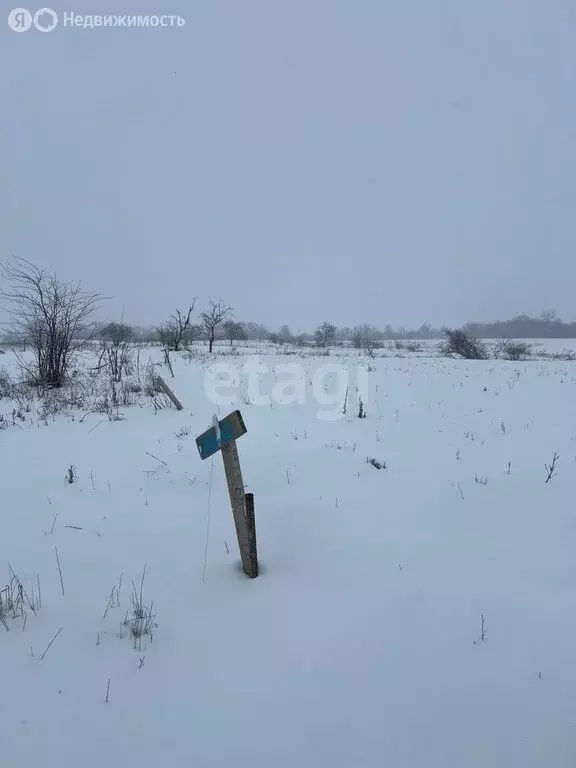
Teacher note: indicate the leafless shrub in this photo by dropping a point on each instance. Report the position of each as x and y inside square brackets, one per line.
[152, 390]
[56, 402]
[116, 352]
[52, 316]
[132, 386]
[566, 355]
[508, 349]
[126, 393]
[23, 396]
[109, 401]
[413, 346]
[459, 342]
[151, 386]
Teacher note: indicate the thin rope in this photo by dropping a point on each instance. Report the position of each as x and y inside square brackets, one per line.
[208, 520]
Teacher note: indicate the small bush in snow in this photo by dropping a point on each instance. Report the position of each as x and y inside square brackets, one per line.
[15, 602]
[151, 387]
[413, 346]
[142, 622]
[513, 350]
[116, 353]
[459, 342]
[565, 356]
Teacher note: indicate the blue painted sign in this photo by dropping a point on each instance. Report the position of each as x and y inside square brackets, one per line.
[231, 428]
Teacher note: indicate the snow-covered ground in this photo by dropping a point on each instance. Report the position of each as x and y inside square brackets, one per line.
[421, 614]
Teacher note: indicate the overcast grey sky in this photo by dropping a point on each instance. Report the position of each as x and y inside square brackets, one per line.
[351, 160]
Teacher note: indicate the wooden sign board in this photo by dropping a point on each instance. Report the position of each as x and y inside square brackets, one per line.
[223, 438]
[231, 428]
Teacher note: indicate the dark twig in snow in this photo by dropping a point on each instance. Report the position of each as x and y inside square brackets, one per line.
[156, 457]
[50, 643]
[59, 569]
[97, 425]
[551, 468]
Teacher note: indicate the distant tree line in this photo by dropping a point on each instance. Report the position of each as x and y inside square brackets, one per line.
[179, 331]
[55, 318]
[547, 326]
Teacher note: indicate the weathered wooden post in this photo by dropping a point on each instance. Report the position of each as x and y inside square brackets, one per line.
[222, 437]
[168, 392]
[251, 532]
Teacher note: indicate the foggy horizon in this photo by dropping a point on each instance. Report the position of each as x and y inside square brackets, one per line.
[398, 164]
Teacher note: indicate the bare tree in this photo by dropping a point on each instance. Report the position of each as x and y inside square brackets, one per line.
[54, 317]
[213, 318]
[116, 351]
[325, 334]
[284, 335]
[178, 331]
[233, 331]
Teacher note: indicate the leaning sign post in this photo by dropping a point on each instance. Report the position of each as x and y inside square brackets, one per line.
[222, 437]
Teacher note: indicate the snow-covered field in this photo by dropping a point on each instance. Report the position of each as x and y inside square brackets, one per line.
[422, 614]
